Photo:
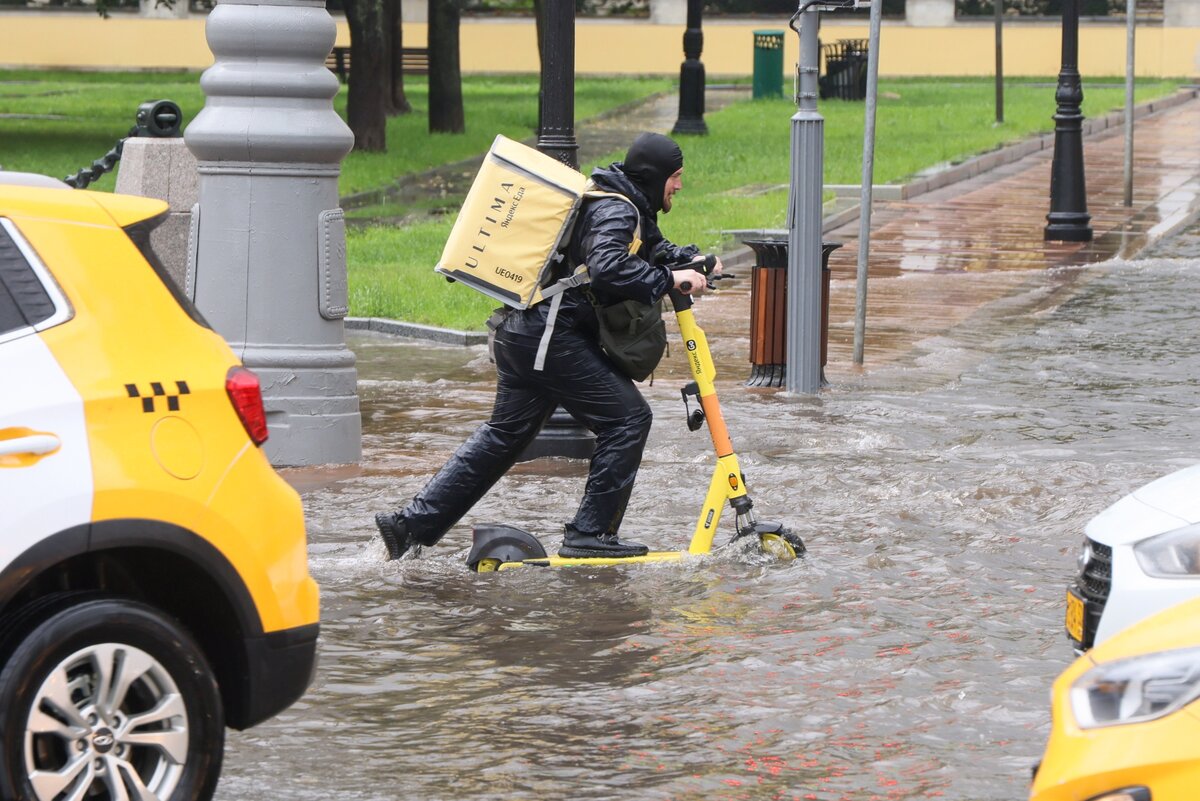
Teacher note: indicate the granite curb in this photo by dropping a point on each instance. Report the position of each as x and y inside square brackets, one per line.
[429, 333]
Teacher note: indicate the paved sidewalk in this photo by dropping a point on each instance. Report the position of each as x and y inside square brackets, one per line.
[936, 258]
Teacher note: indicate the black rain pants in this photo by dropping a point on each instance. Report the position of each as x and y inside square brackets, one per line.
[578, 377]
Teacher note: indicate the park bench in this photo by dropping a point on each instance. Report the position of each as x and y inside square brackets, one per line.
[845, 71]
[413, 60]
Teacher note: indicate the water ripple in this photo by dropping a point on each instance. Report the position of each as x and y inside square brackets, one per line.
[909, 656]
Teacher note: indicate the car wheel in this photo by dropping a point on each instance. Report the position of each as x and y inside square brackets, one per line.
[107, 699]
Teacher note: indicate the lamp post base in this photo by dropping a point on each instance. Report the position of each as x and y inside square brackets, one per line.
[561, 436]
[1068, 227]
[693, 126]
[691, 99]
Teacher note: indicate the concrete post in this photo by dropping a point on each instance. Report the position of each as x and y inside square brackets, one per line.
[668, 12]
[269, 265]
[163, 169]
[1181, 14]
[929, 13]
[804, 221]
[416, 11]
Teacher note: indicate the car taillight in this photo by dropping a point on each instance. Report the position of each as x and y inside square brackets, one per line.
[246, 396]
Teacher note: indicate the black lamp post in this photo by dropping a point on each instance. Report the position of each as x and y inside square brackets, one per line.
[562, 435]
[691, 76]
[1068, 218]
[556, 106]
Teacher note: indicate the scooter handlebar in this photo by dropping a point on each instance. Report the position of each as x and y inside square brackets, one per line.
[686, 286]
[680, 297]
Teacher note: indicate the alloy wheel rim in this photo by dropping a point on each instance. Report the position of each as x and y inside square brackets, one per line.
[108, 719]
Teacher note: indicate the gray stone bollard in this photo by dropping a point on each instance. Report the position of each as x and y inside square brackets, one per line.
[1181, 14]
[163, 169]
[929, 13]
[668, 12]
[267, 262]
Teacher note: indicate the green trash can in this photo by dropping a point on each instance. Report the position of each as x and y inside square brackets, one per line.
[768, 64]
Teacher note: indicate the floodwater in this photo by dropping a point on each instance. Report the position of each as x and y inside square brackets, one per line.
[908, 656]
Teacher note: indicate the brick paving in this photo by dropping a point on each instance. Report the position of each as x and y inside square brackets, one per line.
[937, 258]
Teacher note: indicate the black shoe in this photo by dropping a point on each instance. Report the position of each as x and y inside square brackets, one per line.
[395, 534]
[577, 545]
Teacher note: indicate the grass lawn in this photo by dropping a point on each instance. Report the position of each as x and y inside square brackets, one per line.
[492, 105]
[736, 177]
[76, 117]
[56, 122]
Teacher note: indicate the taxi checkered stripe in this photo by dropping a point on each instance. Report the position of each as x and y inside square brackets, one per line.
[157, 390]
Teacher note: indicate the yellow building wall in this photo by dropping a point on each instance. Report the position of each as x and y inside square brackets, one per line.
[83, 40]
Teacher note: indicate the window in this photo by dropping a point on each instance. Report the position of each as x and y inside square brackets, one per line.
[24, 299]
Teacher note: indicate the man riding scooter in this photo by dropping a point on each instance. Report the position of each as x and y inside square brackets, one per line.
[576, 374]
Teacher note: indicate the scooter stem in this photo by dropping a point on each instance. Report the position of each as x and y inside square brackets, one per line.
[726, 483]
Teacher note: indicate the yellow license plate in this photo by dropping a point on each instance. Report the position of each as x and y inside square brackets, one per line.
[1075, 616]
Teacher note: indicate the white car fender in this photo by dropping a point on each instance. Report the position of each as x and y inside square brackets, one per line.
[47, 449]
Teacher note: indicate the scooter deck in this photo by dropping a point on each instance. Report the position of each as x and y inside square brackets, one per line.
[597, 561]
[497, 546]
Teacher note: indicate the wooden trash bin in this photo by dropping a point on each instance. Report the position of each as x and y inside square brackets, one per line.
[768, 311]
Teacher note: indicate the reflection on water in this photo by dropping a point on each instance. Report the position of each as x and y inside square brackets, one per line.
[909, 656]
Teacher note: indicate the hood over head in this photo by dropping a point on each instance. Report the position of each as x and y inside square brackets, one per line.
[650, 161]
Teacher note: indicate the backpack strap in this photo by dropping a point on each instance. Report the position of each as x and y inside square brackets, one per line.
[591, 192]
[555, 293]
[579, 278]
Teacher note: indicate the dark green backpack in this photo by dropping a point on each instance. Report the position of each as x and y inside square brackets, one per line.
[633, 335]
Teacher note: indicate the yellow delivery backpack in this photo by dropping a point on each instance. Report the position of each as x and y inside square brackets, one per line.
[514, 226]
[517, 216]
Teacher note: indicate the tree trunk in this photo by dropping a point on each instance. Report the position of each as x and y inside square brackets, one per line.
[366, 103]
[445, 72]
[397, 100]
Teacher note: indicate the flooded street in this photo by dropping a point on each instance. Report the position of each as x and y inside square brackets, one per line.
[908, 656]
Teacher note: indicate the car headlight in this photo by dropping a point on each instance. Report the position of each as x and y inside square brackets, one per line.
[1171, 555]
[1085, 555]
[1137, 689]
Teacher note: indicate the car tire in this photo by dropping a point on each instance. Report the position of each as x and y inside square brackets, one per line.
[97, 691]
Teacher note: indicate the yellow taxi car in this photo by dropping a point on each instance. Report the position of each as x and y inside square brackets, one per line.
[154, 583]
[1126, 717]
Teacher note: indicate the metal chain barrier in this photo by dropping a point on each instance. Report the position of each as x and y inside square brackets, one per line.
[157, 118]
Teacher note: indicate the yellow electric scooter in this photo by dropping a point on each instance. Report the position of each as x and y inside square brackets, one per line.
[501, 547]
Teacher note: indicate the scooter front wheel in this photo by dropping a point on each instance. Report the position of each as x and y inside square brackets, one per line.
[778, 541]
[776, 546]
[487, 565]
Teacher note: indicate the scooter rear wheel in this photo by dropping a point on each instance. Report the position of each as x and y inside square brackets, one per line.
[493, 544]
